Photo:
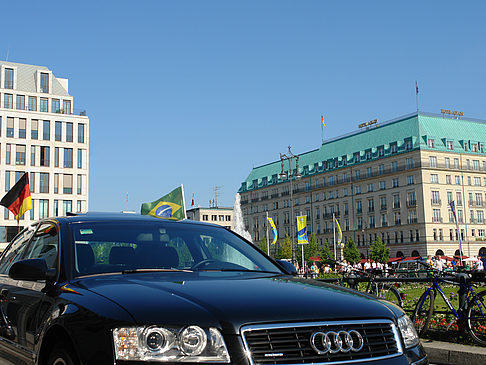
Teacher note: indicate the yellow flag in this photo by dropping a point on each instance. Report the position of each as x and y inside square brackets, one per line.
[302, 229]
[340, 233]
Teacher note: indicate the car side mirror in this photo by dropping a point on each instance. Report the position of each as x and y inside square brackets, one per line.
[31, 270]
[288, 267]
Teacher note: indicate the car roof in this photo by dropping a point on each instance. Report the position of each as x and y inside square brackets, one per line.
[125, 217]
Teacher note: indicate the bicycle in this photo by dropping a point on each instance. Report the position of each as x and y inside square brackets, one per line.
[470, 314]
[371, 285]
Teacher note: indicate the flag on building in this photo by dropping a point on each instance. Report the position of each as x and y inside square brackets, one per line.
[170, 206]
[453, 208]
[302, 229]
[274, 230]
[18, 199]
[322, 120]
[340, 232]
[192, 201]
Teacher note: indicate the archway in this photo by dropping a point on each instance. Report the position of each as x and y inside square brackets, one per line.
[400, 254]
[415, 253]
[458, 253]
[482, 251]
[439, 253]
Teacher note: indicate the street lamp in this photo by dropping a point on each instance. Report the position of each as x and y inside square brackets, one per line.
[291, 175]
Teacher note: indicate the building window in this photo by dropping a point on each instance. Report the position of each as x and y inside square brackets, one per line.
[32, 155]
[32, 103]
[457, 180]
[436, 216]
[43, 208]
[79, 184]
[80, 133]
[56, 183]
[44, 82]
[450, 145]
[22, 126]
[79, 209]
[80, 163]
[8, 101]
[382, 185]
[43, 105]
[67, 184]
[448, 179]
[46, 130]
[433, 161]
[411, 179]
[7, 180]
[68, 157]
[10, 127]
[435, 197]
[395, 182]
[67, 206]
[20, 102]
[8, 153]
[69, 132]
[381, 151]
[393, 147]
[44, 156]
[408, 144]
[434, 178]
[8, 82]
[370, 188]
[409, 163]
[44, 182]
[56, 106]
[66, 106]
[394, 166]
[34, 131]
[458, 198]
[56, 157]
[58, 131]
[431, 143]
[381, 169]
[20, 154]
[56, 208]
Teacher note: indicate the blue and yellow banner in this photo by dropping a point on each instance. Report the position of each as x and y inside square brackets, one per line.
[170, 206]
[274, 230]
[302, 229]
[340, 232]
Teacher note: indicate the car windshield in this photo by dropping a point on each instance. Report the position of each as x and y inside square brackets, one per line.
[104, 247]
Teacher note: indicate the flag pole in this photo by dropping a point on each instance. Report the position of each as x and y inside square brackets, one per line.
[334, 235]
[183, 201]
[416, 95]
[266, 231]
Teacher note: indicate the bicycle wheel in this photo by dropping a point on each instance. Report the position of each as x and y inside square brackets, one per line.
[476, 318]
[390, 293]
[423, 312]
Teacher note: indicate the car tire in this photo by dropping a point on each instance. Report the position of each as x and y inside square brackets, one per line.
[62, 354]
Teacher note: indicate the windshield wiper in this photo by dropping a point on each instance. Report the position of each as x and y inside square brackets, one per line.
[132, 271]
[244, 270]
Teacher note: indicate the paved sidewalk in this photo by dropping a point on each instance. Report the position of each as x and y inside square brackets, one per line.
[446, 353]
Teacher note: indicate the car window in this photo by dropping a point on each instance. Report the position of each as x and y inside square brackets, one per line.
[15, 251]
[44, 245]
[103, 247]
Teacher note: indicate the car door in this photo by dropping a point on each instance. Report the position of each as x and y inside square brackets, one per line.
[12, 254]
[23, 299]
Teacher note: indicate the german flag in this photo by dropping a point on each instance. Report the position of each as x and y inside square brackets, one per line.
[18, 199]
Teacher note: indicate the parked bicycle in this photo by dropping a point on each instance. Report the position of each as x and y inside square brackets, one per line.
[367, 282]
[470, 314]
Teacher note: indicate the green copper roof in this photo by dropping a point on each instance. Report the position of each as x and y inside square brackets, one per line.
[396, 136]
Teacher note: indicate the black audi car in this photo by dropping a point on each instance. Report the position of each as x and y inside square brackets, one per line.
[127, 289]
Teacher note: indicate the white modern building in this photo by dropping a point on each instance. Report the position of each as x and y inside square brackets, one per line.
[42, 134]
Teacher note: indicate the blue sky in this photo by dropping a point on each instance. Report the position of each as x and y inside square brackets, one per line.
[200, 92]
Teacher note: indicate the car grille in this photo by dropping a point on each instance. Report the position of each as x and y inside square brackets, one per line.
[291, 343]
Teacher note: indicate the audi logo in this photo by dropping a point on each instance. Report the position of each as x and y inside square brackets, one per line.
[334, 342]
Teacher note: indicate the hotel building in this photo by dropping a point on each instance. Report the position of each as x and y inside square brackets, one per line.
[42, 134]
[393, 180]
[222, 216]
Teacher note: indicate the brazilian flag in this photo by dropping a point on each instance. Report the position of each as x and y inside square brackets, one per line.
[170, 206]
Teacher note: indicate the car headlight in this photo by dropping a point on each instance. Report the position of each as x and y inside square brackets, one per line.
[408, 332]
[186, 344]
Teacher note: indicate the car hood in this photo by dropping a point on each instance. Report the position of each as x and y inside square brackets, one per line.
[230, 300]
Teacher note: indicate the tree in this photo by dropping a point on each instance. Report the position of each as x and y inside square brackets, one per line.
[351, 253]
[310, 250]
[262, 245]
[326, 252]
[379, 251]
[284, 250]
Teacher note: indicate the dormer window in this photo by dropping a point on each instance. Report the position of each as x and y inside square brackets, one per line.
[474, 147]
[44, 82]
[450, 145]
[381, 151]
[393, 148]
[408, 144]
[8, 82]
[431, 143]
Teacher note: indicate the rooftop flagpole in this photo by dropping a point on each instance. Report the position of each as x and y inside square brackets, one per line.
[416, 95]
